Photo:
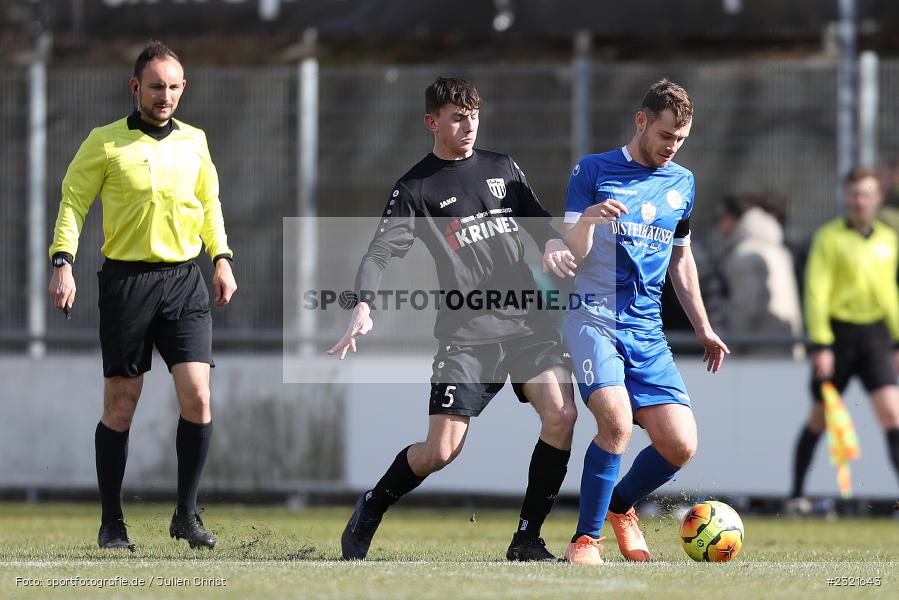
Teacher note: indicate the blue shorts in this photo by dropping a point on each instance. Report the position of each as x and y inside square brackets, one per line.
[641, 361]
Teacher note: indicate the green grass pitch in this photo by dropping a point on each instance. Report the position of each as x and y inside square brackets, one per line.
[269, 552]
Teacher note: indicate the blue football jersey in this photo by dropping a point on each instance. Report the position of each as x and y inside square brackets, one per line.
[620, 281]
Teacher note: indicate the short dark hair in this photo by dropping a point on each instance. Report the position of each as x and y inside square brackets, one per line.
[732, 205]
[858, 173]
[666, 94]
[154, 50]
[774, 203]
[451, 90]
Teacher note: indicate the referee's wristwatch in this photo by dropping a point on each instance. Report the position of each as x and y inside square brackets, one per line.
[60, 260]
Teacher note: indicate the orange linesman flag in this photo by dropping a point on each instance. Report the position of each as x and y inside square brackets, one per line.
[841, 437]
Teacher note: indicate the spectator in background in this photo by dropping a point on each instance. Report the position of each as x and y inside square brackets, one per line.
[712, 287]
[795, 240]
[762, 293]
[852, 316]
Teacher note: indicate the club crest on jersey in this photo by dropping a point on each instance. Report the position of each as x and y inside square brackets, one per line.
[674, 199]
[648, 212]
[497, 187]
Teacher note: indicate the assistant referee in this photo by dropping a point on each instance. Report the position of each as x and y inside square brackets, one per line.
[160, 196]
[852, 317]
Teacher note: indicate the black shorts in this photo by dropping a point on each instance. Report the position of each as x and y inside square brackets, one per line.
[466, 378]
[863, 350]
[142, 304]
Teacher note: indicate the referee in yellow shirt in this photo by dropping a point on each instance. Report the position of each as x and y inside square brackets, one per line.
[852, 317]
[160, 197]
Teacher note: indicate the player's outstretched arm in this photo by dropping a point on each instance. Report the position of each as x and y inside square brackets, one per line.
[685, 280]
[558, 259]
[62, 287]
[360, 324]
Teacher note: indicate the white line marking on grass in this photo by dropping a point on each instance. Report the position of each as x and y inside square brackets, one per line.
[461, 565]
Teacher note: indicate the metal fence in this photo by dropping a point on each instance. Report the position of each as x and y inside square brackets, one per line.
[760, 125]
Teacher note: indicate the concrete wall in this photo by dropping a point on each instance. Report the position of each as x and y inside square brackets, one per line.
[342, 435]
[266, 434]
[748, 414]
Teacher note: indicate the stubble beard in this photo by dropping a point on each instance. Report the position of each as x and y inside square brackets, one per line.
[150, 110]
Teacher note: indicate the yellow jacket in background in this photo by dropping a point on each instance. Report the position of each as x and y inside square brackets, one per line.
[852, 278]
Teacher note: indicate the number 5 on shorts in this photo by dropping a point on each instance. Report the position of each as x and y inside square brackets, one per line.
[449, 394]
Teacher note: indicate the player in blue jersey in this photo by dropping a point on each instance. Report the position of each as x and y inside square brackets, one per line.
[628, 215]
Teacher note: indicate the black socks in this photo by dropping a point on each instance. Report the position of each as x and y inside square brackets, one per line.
[545, 476]
[893, 447]
[111, 455]
[192, 445]
[805, 449]
[398, 481]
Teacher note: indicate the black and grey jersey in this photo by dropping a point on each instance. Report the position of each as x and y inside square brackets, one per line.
[469, 213]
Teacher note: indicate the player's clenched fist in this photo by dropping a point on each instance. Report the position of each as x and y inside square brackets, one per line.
[604, 212]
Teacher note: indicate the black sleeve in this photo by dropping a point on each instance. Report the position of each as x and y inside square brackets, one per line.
[536, 219]
[682, 229]
[393, 238]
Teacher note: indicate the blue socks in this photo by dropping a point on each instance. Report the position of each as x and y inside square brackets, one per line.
[597, 481]
[599, 494]
[648, 473]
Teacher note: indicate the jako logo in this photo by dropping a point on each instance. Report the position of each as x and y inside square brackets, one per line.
[447, 202]
[459, 236]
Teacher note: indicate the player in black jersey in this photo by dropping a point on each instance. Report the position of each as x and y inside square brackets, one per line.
[463, 203]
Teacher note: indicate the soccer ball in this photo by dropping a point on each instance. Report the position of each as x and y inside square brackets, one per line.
[711, 531]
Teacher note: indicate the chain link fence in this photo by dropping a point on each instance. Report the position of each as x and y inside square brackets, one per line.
[760, 125]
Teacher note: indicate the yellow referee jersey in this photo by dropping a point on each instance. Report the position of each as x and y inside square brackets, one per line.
[850, 277]
[160, 196]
